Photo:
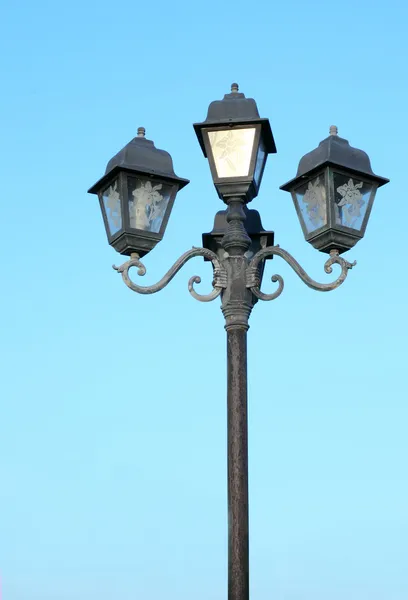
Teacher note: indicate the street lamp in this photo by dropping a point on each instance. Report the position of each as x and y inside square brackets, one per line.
[333, 194]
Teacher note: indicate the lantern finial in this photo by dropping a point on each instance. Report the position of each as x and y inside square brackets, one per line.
[333, 130]
[141, 132]
[234, 88]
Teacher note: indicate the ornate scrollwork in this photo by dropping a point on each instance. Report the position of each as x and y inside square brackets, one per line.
[219, 280]
[253, 280]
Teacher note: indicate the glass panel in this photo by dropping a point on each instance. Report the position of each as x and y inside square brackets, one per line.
[311, 202]
[111, 203]
[148, 200]
[351, 200]
[260, 163]
[232, 151]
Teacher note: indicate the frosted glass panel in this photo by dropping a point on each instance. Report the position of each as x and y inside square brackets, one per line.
[232, 151]
[311, 203]
[352, 199]
[260, 163]
[148, 201]
[111, 203]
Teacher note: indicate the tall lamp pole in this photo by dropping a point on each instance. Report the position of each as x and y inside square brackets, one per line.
[333, 193]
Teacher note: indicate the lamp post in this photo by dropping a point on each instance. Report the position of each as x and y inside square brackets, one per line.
[333, 193]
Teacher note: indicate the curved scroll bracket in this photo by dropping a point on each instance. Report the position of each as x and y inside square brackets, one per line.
[219, 280]
[253, 280]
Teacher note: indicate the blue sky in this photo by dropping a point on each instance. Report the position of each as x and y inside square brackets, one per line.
[113, 411]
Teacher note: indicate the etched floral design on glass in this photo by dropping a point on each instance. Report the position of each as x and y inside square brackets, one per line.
[232, 151]
[315, 200]
[311, 201]
[352, 199]
[147, 205]
[111, 201]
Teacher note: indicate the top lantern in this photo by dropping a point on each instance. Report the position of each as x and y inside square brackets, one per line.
[333, 193]
[237, 142]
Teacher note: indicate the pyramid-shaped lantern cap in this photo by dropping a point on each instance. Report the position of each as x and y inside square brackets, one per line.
[337, 152]
[140, 155]
[235, 109]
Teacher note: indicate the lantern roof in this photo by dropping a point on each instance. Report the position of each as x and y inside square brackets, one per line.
[141, 155]
[235, 109]
[335, 151]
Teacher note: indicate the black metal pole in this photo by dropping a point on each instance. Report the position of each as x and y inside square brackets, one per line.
[237, 303]
[238, 548]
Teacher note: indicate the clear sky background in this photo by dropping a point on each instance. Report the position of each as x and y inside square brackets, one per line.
[113, 405]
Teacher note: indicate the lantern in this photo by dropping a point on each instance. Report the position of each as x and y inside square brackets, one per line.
[136, 195]
[333, 193]
[236, 142]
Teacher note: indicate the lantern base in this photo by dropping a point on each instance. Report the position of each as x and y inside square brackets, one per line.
[142, 242]
[247, 190]
[334, 239]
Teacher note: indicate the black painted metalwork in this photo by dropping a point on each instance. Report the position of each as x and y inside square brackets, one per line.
[254, 281]
[336, 151]
[259, 237]
[238, 519]
[219, 280]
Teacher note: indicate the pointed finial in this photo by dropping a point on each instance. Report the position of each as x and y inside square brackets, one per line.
[333, 130]
[234, 88]
[141, 132]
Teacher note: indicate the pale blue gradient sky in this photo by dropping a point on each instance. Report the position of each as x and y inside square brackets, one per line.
[113, 418]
